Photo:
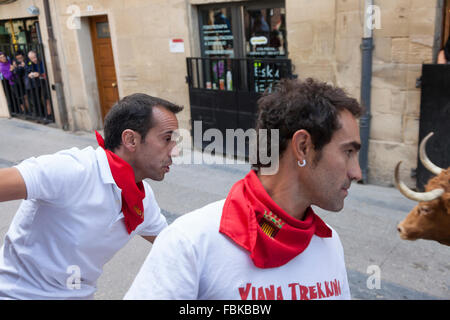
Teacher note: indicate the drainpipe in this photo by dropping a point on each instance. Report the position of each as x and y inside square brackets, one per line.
[56, 68]
[366, 83]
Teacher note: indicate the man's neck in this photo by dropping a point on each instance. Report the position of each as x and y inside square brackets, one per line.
[125, 157]
[280, 188]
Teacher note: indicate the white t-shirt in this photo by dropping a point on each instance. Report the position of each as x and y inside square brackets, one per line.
[70, 225]
[190, 259]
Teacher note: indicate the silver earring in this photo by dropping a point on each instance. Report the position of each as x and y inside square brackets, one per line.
[301, 164]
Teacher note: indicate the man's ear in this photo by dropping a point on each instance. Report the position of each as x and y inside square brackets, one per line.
[130, 139]
[301, 144]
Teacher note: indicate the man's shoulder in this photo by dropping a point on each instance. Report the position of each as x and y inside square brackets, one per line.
[85, 155]
[201, 221]
[64, 161]
[79, 160]
[333, 243]
[207, 214]
[334, 234]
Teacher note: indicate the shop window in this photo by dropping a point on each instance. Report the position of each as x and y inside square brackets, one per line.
[265, 32]
[243, 46]
[217, 36]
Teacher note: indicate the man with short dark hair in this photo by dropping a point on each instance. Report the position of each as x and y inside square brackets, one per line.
[36, 86]
[82, 206]
[19, 64]
[264, 241]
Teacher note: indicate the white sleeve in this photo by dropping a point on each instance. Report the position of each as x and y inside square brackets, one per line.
[154, 221]
[51, 177]
[170, 271]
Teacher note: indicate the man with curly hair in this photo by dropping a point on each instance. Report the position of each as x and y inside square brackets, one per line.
[264, 241]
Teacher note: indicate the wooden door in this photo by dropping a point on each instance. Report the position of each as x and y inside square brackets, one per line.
[104, 63]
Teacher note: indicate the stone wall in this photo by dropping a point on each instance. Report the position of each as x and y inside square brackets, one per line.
[324, 40]
[140, 33]
[402, 45]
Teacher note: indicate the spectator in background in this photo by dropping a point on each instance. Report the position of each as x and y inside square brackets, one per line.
[7, 73]
[19, 64]
[260, 29]
[260, 26]
[444, 54]
[35, 80]
[6, 69]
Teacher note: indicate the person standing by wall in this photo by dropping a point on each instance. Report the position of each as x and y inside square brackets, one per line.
[19, 64]
[36, 85]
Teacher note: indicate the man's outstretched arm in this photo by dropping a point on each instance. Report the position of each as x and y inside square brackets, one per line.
[12, 185]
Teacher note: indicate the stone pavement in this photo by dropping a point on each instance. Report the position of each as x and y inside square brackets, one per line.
[366, 226]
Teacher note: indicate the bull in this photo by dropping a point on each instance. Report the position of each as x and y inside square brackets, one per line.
[430, 218]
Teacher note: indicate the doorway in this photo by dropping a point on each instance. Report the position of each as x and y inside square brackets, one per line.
[104, 63]
[28, 97]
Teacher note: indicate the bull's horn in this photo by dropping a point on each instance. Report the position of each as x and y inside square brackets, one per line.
[416, 196]
[424, 158]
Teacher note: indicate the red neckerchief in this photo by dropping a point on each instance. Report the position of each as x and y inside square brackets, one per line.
[255, 222]
[132, 193]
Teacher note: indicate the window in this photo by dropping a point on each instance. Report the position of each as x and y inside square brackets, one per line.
[102, 30]
[251, 29]
[216, 33]
[265, 32]
[243, 46]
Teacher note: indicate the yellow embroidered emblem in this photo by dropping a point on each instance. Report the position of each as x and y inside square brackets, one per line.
[138, 211]
[271, 223]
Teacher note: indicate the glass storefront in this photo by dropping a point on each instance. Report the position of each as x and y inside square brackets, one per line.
[244, 53]
[217, 42]
[216, 33]
[239, 43]
[265, 32]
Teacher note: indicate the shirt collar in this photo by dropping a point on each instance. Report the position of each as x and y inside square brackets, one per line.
[105, 171]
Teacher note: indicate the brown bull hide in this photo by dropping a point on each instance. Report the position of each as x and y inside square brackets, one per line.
[430, 219]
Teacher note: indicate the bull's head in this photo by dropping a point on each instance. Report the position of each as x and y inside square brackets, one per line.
[430, 219]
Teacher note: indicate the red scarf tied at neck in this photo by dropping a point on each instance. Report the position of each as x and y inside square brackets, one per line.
[256, 223]
[132, 193]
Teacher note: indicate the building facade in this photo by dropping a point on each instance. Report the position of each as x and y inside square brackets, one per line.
[97, 51]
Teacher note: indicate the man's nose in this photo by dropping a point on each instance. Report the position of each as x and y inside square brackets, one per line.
[355, 172]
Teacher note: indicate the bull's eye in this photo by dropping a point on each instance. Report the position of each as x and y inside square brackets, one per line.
[424, 210]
